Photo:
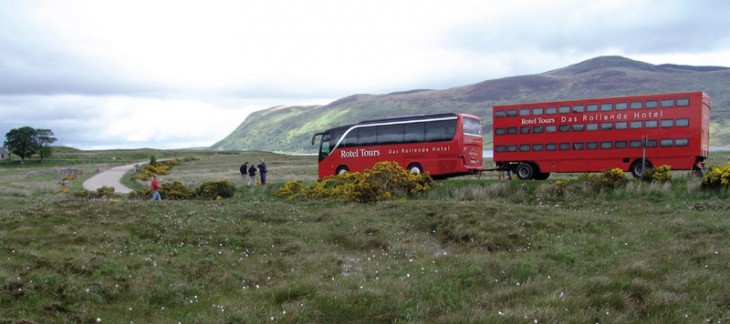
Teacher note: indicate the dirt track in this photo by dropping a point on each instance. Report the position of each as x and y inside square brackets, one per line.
[109, 178]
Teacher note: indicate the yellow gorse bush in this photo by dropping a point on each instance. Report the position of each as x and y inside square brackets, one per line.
[660, 174]
[610, 179]
[386, 180]
[717, 177]
[158, 168]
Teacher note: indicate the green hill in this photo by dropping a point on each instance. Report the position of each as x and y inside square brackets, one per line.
[289, 129]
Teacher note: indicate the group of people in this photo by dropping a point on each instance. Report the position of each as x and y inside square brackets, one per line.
[249, 172]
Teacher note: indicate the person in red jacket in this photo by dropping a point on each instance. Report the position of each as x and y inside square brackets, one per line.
[155, 189]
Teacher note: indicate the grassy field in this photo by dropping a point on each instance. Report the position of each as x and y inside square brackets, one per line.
[473, 249]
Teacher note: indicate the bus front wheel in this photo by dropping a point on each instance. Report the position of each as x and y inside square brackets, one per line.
[639, 167]
[342, 170]
[525, 171]
[415, 168]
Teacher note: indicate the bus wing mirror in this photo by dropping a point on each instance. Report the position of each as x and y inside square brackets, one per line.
[314, 137]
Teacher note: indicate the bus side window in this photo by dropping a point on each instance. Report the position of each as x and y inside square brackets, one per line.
[367, 136]
[390, 134]
[440, 130]
[351, 139]
[414, 132]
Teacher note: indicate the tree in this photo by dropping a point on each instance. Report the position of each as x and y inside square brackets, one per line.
[21, 142]
[26, 141]
[44, 138]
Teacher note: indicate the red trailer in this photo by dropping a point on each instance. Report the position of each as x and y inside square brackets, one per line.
[632, 133]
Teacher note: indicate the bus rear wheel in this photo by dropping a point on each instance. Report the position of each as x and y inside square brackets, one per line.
[415, 168]
[639, 167]
[342, 169]
[525, 171]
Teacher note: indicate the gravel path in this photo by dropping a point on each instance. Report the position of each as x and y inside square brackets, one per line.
[110, 178]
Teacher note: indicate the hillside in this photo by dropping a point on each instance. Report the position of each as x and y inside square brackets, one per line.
[289, 129]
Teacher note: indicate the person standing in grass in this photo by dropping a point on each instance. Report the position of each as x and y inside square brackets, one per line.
[155, 189]
[262, 171]
[244, 172]
[251, 175]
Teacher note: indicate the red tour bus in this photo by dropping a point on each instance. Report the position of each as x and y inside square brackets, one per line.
[441, 145]
[592, 135]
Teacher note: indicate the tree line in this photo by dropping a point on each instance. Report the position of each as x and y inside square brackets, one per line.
[27, 141]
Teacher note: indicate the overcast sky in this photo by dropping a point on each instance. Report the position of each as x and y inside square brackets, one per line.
[176, 74]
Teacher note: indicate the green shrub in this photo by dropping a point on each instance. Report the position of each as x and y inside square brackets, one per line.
[140, 194]
[214, 189]
[717, 177]
[610, 179]
[555, 189]
[660, 174]
[175, 190]
[103, 192]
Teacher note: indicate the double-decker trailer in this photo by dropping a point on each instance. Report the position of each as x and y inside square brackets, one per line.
[591, 135]
[441, 145]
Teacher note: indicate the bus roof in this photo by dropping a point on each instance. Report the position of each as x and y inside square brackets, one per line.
[407, 118]
[631, 97]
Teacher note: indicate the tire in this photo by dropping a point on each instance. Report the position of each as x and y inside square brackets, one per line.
[638, 168]
[415, 168]
[525, 171]
[342, 169]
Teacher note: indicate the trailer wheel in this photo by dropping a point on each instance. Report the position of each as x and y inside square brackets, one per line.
[342, 169]
[415, 168]
[525, 171]
[639, 167]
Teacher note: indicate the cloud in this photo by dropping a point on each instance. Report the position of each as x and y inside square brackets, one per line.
[553, 34]
[122, 122]
[164, 74]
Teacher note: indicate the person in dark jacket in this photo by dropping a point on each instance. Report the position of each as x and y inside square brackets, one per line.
[251, 175]
[262, 171]
[244, 172]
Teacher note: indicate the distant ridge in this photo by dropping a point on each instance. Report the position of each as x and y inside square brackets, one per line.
[289, 129]
[693, 68]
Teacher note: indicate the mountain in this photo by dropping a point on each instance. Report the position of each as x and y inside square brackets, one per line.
[289, 128]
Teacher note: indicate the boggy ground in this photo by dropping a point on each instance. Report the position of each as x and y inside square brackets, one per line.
[470, 250]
